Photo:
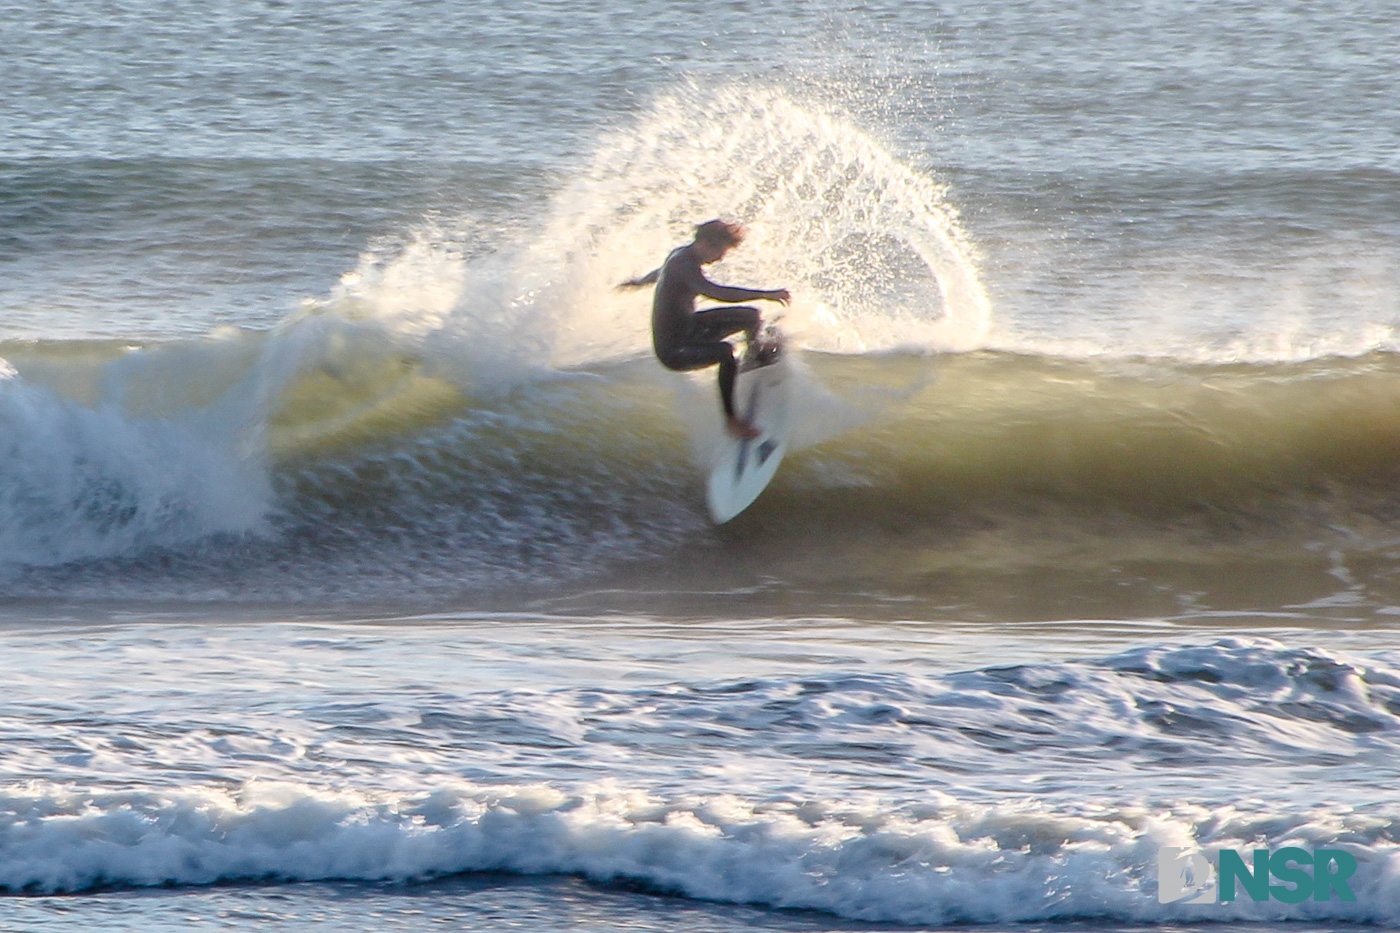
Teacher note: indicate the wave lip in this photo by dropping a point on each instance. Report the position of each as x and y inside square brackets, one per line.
[943, 861]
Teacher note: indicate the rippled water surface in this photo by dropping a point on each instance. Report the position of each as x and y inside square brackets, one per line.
[354, 566]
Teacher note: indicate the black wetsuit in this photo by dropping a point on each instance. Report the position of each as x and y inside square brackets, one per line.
[687, 339]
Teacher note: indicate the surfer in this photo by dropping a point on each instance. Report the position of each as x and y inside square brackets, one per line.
[687, 339]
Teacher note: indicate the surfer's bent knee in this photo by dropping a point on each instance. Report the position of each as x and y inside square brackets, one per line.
[696, 355]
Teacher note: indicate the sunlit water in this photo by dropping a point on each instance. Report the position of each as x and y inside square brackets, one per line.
[354, 565]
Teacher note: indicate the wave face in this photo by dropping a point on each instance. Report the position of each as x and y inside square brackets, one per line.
[910, 471]
[924, 798]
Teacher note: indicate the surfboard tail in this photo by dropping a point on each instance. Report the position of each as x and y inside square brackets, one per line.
[744, 467]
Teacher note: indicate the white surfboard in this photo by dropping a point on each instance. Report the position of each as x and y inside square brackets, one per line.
[742, 468]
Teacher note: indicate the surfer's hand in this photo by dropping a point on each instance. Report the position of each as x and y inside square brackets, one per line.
[781, 295]
[648, 279]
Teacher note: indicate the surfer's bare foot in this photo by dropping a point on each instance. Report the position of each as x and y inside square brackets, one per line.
[743, 429]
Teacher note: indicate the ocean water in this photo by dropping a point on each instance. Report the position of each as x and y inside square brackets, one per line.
[354, 565]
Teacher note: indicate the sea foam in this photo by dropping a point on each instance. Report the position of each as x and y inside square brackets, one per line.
[940, 861]
[80, 481]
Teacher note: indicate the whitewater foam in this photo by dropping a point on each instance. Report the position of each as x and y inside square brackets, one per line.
[883, 791]
[939, 861]
[81, 482]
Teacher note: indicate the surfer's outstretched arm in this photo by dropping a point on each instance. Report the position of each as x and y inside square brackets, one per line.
[730, 293]
[648, 279]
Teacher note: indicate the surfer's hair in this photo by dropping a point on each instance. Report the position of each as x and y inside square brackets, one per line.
[720, 233]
